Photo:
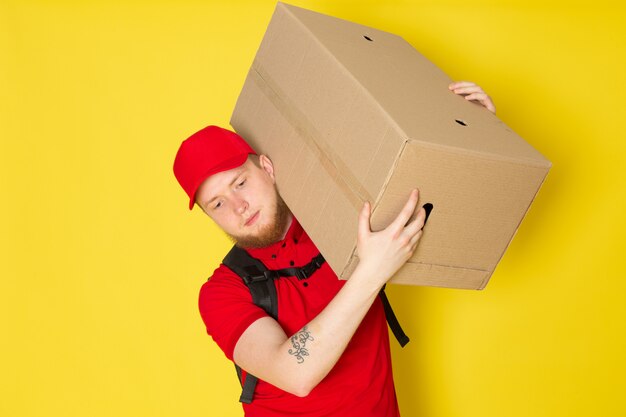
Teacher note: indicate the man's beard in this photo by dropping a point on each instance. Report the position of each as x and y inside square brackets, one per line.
[270, 233]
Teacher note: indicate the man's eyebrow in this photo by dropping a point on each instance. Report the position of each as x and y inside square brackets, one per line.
[235, 178]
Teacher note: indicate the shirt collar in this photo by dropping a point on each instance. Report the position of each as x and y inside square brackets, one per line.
[295, 233]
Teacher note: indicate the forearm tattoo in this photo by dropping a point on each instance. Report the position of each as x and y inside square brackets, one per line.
[298, 341]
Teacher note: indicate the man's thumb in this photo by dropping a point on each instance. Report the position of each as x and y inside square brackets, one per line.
[364, 220]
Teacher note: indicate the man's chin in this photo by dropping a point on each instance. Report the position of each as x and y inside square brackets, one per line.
[262, 240]
[262, 237]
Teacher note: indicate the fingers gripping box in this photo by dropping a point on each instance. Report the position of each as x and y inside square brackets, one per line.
[350, 114]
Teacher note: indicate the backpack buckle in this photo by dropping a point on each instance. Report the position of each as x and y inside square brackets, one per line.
[308, 270]
[249, 279]
[302, 273]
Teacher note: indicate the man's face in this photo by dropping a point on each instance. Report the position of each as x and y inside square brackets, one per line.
[244, 202]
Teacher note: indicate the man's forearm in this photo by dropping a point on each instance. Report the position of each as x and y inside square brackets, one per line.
[325, 338]
[302, 360]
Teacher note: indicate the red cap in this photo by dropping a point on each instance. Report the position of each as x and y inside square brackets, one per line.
[207, 152]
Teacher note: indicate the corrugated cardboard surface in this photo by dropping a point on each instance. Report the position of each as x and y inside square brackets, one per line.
[348, 119]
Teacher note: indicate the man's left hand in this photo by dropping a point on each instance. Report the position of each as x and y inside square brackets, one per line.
[473, 92]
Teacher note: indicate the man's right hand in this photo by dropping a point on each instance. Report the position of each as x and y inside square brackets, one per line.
[382, 253]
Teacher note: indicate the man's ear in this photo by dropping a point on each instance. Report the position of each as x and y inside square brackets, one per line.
[267, 166]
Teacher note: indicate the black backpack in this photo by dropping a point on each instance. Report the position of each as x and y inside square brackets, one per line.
[260, 281]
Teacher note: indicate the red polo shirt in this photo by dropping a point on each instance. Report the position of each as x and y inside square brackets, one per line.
[360, 384]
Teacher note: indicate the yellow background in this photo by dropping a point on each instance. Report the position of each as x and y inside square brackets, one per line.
[101, 262]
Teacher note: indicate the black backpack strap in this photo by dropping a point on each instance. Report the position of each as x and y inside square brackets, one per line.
[247, 391]
[257, 277]
[248, 386]
[302, 272]
[393, 322]
[394, 325]
[260, 282]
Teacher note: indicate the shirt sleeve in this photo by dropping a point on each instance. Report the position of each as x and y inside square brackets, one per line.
[227, 309]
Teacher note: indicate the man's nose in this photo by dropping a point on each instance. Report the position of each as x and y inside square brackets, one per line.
[241, 205]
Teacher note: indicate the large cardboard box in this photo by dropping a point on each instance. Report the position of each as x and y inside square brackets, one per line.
[348, 113]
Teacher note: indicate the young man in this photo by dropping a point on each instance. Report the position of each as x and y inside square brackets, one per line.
[328, 352]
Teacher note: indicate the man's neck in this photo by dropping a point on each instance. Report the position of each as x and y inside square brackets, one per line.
[287, 225]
